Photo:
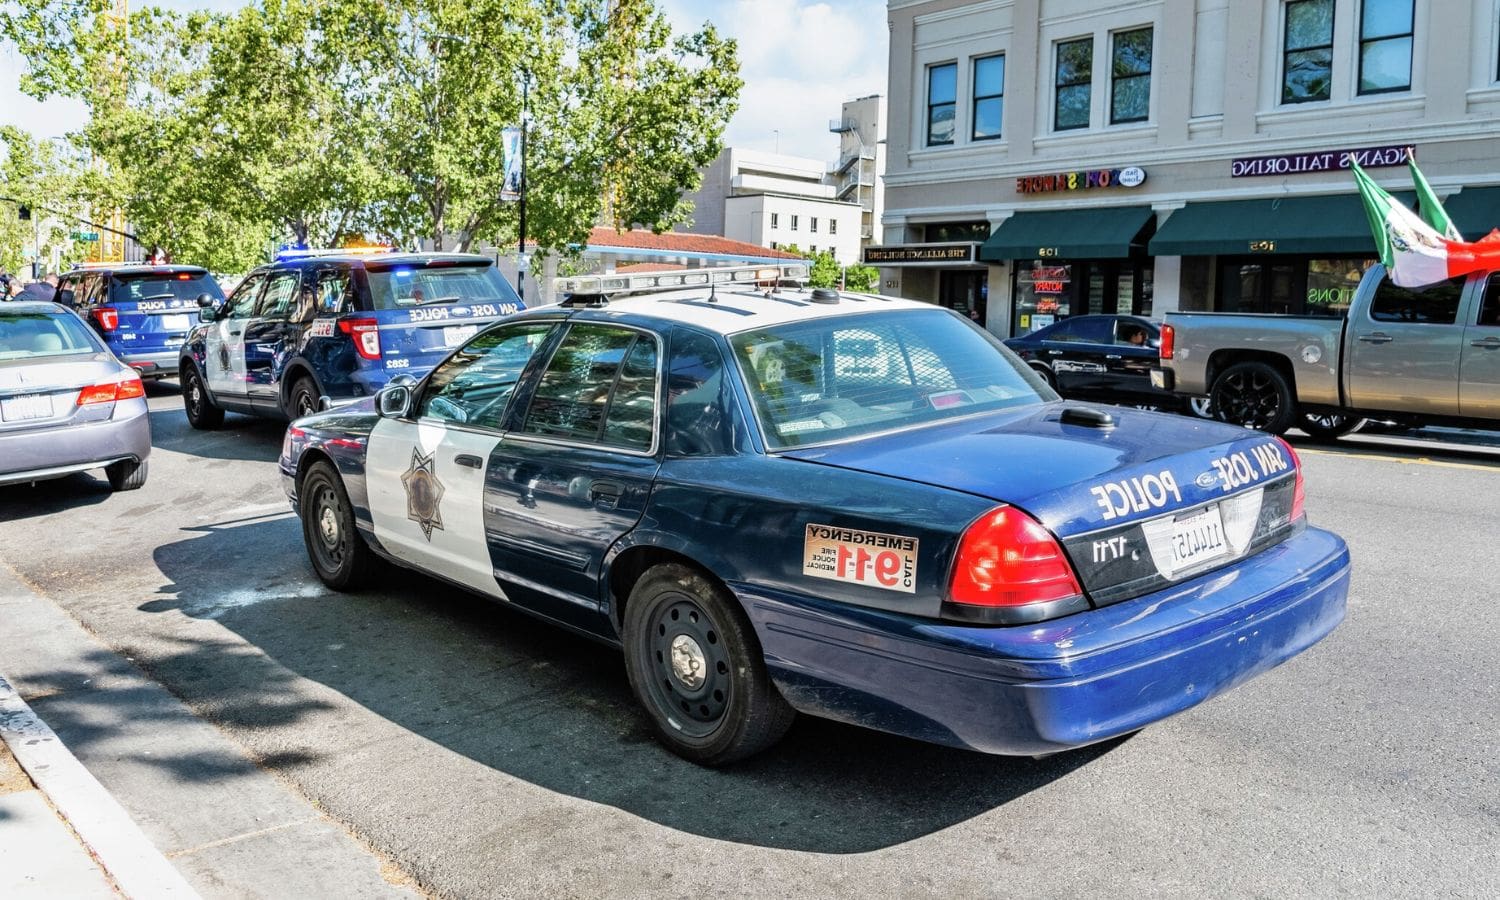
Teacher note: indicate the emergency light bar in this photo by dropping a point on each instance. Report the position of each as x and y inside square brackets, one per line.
[605, 285]
[283, 255]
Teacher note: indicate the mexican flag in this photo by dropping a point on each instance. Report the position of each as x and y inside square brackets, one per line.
[1414, 252]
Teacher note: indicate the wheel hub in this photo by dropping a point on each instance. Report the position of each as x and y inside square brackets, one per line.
[328, 526]
[689, 665]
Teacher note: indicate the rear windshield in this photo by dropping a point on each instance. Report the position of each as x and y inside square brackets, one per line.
[162, 286]
[400, 287]
[836, 378]
[27, 335]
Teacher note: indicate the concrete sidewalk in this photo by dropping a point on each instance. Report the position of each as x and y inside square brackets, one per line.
[40, 856]
[229, 827]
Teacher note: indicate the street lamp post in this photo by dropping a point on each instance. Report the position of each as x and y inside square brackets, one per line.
[521, 261]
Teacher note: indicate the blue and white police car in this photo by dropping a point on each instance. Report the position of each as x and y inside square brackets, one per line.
[336, 324]
[775, 499]
[143, 312]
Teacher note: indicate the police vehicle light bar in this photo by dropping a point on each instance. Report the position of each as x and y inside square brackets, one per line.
[282, 255]
[605, 285]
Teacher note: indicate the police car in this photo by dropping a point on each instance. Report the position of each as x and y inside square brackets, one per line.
[336, 324]
[854, 506]
[143, 312]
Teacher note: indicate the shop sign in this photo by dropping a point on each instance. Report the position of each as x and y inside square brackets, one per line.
[1325, 161]
[913, 253]
[1129, 177]
[1038, 274]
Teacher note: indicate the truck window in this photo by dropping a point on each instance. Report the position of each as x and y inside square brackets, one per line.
[1436, 304]
[1489, 309]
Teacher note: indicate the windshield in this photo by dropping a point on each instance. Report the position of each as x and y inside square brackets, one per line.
[400, 287]
[28, 335]
[830, 379]
[162, 286]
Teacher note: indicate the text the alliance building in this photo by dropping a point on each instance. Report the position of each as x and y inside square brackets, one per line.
[1048, 158]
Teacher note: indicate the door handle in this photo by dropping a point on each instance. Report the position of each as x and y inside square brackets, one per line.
[1112, 356]
[1376, 337]
[234, 334]
[469, 460]
[1054, 352]
[606, 490]
[1488, 343]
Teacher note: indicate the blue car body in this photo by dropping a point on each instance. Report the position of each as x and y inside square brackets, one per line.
[142, 312]
[563, 531]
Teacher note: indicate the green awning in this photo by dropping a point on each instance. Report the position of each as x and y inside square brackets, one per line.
[1330, 224]
[1101, 233]
[1474, 211]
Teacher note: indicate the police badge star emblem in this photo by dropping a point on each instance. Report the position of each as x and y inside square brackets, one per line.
[423, 493]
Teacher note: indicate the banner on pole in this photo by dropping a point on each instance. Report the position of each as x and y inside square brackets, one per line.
[510, 149]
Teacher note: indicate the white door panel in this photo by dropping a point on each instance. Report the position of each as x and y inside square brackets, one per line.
[224, 357]
[427, 507]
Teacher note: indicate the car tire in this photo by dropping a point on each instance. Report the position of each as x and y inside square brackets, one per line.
[1329, 426]
[303, 399]
[337, 550]
[1202, 407]
[696, 667]
[1047, 376]
[202, 414]
[126, 475]
[1253, 395]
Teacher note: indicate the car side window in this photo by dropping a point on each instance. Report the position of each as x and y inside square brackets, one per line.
[93, 287]
[697, 424]
[242, 302]
[1489, 307]
[280, 298]
[331, 293]
[1436, 304]
[474, 385]
[599, 387]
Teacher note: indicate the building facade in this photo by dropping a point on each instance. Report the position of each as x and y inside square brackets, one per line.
[775, 201]
[857, 176]
[1049, 158]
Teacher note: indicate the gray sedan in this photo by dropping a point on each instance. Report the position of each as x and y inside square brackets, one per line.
[66, 404]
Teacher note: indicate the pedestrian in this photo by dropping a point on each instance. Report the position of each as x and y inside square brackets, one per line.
[44, 290]
[6, 284]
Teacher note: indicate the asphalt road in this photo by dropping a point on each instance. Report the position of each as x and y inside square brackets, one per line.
[489, 755]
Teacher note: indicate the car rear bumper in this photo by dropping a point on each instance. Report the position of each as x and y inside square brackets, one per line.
[56, 452]
[153, 364]
[1061, 684]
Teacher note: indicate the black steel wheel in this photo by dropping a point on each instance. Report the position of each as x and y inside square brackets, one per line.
[697, 668]
[1328, 426]
[303, 399]
[202, 414]
[1253, 395]
[334, 545]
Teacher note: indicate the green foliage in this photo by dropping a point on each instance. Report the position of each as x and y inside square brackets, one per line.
[825, 271]
[53, 182]
[862, 279]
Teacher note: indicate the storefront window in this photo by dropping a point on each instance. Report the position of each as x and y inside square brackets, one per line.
[1331, 284]
[1289, 286]
[1047, 291]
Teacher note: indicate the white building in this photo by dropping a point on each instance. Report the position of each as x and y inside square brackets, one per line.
[775, 201]
[858, 174]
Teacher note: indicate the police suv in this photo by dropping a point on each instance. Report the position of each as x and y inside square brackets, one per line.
[337, 324]
[143, 312]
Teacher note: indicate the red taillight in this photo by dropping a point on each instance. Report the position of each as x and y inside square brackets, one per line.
[366, 333]
[108, 318]
[110, 391]
[1007, 559]
[1168, 339]
[1299, 493]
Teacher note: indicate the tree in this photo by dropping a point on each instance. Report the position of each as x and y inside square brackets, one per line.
[824, 271]
[862, 279]
[51, 183]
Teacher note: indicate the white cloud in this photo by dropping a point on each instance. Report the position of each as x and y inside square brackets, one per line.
[800, 61]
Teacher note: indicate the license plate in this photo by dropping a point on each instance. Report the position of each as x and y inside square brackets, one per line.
[174, 323]
[31, 406]
[453, 335]
[1197, 538]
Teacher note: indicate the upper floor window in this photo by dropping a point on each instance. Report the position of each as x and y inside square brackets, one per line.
[774, 219]
[1385, 41]
[1075, 70]
[942, 99]
[989, 96]
[1307, 51]
[794, 223]
[1130, 77]
[812, 224]
[833, 226]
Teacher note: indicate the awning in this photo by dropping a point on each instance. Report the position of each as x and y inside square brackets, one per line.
[1331, 224]
[1474, 211]
[1098, 233]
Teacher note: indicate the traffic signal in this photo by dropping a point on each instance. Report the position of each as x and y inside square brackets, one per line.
[24, 212]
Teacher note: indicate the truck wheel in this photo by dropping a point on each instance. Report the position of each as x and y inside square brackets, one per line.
[1253, 395]
[1201, 407]
[202, 414]
[697, 668]
[1329, 425]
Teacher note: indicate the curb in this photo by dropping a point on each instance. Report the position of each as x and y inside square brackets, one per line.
[107, 831]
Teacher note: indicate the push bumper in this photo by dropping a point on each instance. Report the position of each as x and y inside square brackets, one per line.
[1062, 684]
[55, 452]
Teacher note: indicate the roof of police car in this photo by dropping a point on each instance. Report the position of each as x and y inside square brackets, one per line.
[735, 309]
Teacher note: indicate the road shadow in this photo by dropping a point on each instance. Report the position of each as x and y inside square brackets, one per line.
[240, 437]
[540, 704]
[44, 498]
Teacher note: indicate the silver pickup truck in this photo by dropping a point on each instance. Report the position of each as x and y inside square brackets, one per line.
[1423, 356]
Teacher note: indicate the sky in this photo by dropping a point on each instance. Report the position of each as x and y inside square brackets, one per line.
[800, 60]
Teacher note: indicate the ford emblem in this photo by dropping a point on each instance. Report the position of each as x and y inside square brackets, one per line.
[1206, 480]
[459, 311]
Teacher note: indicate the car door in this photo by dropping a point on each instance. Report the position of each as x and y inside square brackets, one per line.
[1076, 350]
[1129, 358]
[270, 336]
[1405, 349]
[425, 474]
[224, 342]
[1479, 371]
[573, 473]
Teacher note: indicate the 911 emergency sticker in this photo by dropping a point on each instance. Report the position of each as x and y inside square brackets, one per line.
[885, 561]
[321, 328]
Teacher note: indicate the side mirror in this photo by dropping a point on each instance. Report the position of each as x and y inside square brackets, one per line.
[394, 401]
[207, 301]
